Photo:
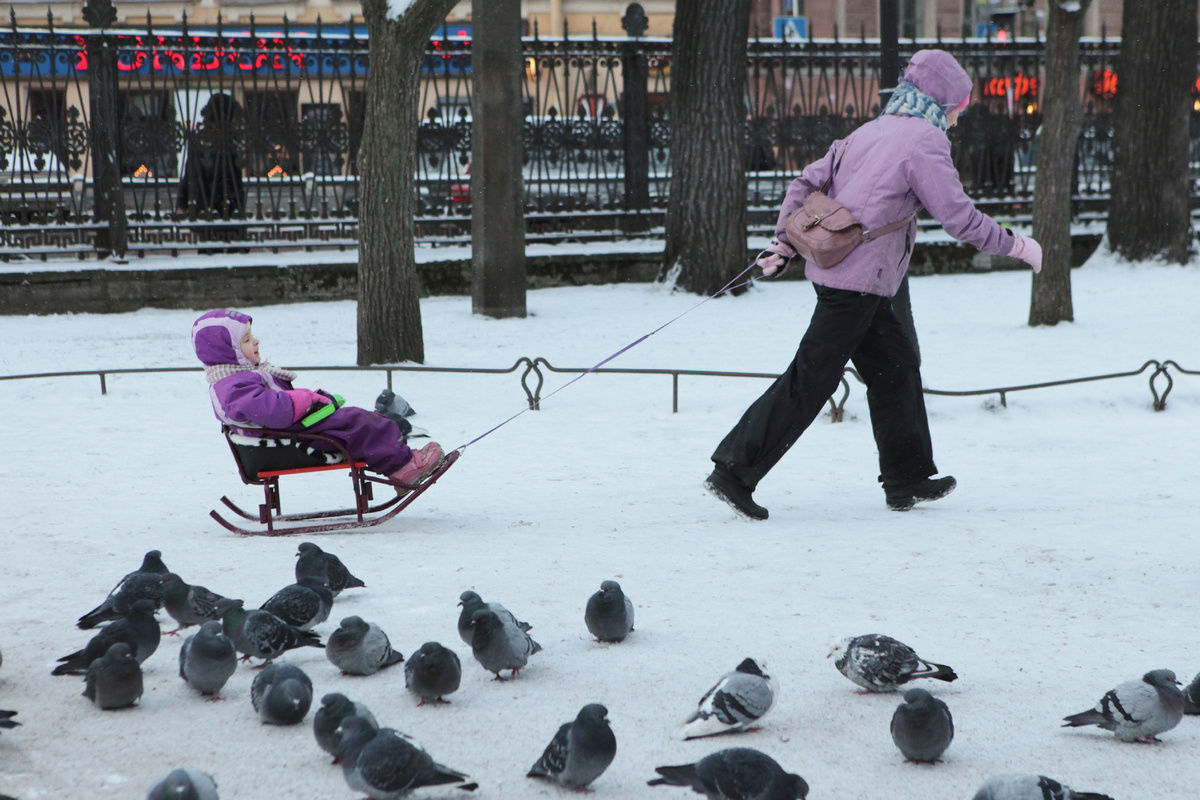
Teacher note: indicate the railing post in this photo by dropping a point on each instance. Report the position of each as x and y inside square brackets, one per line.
[635, 111]
[106, 166]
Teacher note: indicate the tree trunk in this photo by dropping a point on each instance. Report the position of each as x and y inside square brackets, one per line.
[706, 217]
[389, 314]
[1062, 118]
[1148, 214]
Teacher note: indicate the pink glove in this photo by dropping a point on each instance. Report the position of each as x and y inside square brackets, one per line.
[774, 259]
[303, 400]
[1028, 250]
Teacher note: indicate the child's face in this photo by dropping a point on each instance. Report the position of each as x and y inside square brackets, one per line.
[250, 346]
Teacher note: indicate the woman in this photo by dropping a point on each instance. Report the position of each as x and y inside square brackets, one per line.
[886, 170]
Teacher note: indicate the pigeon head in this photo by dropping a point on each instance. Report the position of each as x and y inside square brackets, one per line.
[794, 786]
[593, 712]
[1161, 678]
[354, 733]
[211, 627]
[918, 696]
[335, 702]
[470, 599]
[610, 587]
[752, 667]
[430, 649]
[308, 548]
[145, 608]
[840, 651]
[227, 604]
[152, 562]
[119, 651]
[357, 624]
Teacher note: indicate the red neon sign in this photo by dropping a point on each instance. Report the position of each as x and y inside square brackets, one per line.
[272, 53]
[1016, 87]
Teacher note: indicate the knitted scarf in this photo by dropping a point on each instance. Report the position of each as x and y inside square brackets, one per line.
[215, 372]
[909, 101]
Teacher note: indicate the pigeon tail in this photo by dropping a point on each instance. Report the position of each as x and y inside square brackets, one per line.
[308, 639]
[393, 658]
[442, 775]
[702, 724]
[939, 672]
[536, 648]
[1089, 717]
[100, 614]
[682, 775]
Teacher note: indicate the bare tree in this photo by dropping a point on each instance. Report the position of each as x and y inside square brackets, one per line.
[1062, 119]
[1148, 214]
[706, 218]
[389, 314]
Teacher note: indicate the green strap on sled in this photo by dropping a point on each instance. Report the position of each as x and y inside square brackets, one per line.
[336, 402]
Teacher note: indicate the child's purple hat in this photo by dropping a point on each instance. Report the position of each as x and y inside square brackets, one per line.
[217, 337]
[937, 74]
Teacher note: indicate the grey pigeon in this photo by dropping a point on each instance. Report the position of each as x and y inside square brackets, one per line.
[498, 643]
[207, 659]
[261, 634]
[737, 701]
[359, 647]
[433, 672]
[281, 694]
[879, 663]
[922, 726]
[138, 629]
[472, 602]
[302, 605]
[314, 563]
[1136, 711]
[580, 751]
[738, 773]
[184, 783]
[334, 709]
[188, 604]
[609, 613]
[6, 719]
[114, 680]
[384, 764]
[1030, 787]
[1191, 696]
[143, 582]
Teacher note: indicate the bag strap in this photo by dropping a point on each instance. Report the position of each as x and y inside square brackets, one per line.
[876, 232]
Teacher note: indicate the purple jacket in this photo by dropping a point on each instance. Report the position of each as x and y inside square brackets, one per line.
[892, 167]
[252, 397]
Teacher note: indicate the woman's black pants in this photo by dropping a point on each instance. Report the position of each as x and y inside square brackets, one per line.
[845, 327]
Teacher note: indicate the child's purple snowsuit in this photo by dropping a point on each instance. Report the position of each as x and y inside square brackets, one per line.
[256, 398]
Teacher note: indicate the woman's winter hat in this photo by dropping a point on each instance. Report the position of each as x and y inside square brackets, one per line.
[937, 74]
[217, 337]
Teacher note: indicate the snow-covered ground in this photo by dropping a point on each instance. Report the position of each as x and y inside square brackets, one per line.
[1064, 564]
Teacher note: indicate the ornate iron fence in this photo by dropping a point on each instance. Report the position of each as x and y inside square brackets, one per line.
[234, 137]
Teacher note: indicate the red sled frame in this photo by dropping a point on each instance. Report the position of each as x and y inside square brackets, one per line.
[365, 514]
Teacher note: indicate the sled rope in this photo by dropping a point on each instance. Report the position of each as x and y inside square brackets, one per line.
[729, 287]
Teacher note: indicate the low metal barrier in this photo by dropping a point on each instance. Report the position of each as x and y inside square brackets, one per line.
[532, 378]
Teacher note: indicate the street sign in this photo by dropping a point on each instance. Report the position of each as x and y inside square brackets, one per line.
[791, 28]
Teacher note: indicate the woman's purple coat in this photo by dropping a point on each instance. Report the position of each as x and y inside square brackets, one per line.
[892, 167]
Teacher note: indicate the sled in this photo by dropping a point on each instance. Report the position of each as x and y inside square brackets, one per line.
[272, 454]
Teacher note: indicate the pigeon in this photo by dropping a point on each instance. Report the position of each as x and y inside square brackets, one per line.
[207, 659]
[609, 613]
[188, 604]
[1030, 787]
[497, 642]
[1136, 711]
[580, 751]
[142, 582]
[261, 634]
[335, 708]
[281, 694]
[138, 629]
[385, 764]
[114, 680]
[879, 663]
[314, 563]
[737, 701]
[1191, 696]
[433, 672]
[922, 726]
[6, 719]
[472, 602]
[302, 605]
[738, 773]
[184, 783]
[358, 647]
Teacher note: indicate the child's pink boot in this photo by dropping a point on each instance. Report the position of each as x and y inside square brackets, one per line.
[422, 463]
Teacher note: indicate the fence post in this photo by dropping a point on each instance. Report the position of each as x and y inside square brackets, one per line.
[106, 169]
[635, 110]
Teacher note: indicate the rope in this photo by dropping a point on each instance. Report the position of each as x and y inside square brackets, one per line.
[729, 287]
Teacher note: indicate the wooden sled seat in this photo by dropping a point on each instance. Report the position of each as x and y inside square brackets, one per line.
[264, 458]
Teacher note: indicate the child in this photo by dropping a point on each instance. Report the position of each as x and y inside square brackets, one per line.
[248, 392]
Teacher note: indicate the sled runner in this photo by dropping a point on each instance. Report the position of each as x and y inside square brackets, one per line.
[272, 454]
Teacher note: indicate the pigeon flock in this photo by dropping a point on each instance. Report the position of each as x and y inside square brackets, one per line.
[384, 763]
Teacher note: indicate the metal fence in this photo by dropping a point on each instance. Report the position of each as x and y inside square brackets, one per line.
[232, 137]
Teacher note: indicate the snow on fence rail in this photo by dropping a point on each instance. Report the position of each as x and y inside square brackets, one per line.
[531, 370]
